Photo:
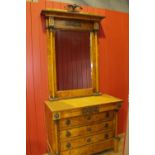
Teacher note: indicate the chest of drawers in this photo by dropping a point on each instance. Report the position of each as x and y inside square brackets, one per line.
[82, 126]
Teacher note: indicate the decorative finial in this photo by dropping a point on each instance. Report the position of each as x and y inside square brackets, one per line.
[73, 8]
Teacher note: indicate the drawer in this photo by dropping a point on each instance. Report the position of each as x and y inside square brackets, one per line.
[86, 130]
[67, 145]
[86, 119]
[90, 149]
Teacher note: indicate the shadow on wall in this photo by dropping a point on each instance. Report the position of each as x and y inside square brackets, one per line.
[117, 5]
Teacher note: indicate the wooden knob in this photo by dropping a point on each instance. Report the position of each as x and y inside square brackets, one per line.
[68, 145]
[89, 129]
[106, 136]
[68, 134]
[107, 114]
[67, 122]
[88, 140]
[88, 117]
[106, 125]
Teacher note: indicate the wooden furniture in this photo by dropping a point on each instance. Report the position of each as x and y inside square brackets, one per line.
[83, 25]
[82, 126]
[80, 121]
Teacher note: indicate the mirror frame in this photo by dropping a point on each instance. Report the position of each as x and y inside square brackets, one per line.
[64, 20]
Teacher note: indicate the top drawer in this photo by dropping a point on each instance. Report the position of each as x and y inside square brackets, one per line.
[86, 119]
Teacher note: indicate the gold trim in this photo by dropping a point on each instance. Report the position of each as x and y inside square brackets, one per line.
[92, 60]
[96, 26]
[64, 13]
[52, 65]
[96, 61]
[56, 116]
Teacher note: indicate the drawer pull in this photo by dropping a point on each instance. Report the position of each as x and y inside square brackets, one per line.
[68, 145]
[89, 129]
[90, 110]
[106, 125]
[107, 115]
[68, 134]
[88, 140]
[88, 118]
[68, 122]
[106, 136]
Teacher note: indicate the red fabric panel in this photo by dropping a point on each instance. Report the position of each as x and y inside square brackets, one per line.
[73, 60]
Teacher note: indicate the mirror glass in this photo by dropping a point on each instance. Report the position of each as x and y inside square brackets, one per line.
[73, 65]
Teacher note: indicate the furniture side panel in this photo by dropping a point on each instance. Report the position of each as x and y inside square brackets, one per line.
[50, 125]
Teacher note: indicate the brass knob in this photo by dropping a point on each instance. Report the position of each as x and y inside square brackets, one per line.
[89, 129]
[106, 125]
[68, 145]
[68, 134]
[106, 136]
[67, 122]
[88, 140]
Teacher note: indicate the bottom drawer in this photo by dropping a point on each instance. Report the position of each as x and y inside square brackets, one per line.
[71, 144]
[90, 149]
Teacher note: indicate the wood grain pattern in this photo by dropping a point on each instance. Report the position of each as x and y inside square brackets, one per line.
[58, 13]
[52, 64]
[86, 130]
[96, 61]
[73, 25]
[90, 149]
[110, 151]
[85, 140]
[85, 120]
[75, 93]
[77, 112]
[52, 128]
[93, 62]
[90, 132]
[81, 102]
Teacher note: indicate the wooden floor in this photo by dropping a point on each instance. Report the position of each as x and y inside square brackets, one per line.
[111, 152]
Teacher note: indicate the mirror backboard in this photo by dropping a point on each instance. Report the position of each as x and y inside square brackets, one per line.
[73, 65]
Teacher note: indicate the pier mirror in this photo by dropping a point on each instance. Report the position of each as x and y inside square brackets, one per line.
[72, 53]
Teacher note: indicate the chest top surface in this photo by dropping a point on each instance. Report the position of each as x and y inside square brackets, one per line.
[73, 103]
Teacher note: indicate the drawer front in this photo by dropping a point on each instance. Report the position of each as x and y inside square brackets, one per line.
[86, 119]
[86, 130]
[67, 145]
